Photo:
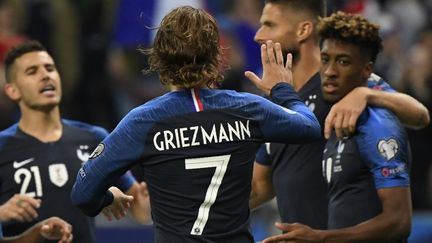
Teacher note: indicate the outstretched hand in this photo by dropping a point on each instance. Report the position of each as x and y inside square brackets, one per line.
[140, 209]
[274, 70]
[55, 228]
[296, 232]
[118, 208]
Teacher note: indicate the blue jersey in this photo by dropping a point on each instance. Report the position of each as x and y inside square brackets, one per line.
[297, 167]
[197, 149]
[376, 157]
[46, 171]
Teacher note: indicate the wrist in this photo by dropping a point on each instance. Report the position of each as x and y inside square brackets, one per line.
[322, 236]
[369, 94]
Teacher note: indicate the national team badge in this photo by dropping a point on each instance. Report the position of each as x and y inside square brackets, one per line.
[58, 174]
[388, 148]
[82, 154]
[99, 149]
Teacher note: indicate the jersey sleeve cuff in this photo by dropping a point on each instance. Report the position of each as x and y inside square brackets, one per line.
[283, 94]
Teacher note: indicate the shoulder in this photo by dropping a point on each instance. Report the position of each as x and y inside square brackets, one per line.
[377, 117]
[380, 127]
[83, 127]
[8, 133]
[378, 83]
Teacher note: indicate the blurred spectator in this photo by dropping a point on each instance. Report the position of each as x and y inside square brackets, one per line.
[9, 37]
[417, 81]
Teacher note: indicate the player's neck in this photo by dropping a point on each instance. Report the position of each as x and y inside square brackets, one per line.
[46, 126]
[306, 66]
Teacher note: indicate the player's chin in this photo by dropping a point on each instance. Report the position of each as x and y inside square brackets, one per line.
[331, 97]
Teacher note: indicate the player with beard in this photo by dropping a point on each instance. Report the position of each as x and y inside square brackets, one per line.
[285, 170]
[367, 173]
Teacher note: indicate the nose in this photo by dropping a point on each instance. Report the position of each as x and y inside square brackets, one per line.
[329, 70]
[45, 74]
[259, 36]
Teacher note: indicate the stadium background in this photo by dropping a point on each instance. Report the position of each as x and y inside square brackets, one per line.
[94, 43]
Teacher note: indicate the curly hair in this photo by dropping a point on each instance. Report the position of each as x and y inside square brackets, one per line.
[351, 28]
[186, 49]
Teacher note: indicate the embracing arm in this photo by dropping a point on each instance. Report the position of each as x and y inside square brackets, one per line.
[393, 223]
[344, 114]
[262, 186]
[409, 110]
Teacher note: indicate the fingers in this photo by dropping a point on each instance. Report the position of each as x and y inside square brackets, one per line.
[107, 214]
[22, 208]
[329, 124]
[252, 77]
[289, 61]
[271, 52]
[352, 123]
[57, 229]
[276, 239]
[264, 56]
[279, 55]
[27, 208]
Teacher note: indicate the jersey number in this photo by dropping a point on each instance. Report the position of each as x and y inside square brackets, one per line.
[221, 164]
[27, 174]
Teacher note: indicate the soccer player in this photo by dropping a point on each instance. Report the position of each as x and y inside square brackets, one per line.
[368, 173]
[197, 144]
[50, 229]
[283, 170]
[41, 154]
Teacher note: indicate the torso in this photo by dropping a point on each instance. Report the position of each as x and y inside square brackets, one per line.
[47, 171]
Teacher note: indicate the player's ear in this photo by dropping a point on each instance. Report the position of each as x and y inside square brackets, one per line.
[12, 91]
[367, 70]
[304, 31]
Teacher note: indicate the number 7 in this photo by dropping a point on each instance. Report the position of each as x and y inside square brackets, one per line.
[221, 164]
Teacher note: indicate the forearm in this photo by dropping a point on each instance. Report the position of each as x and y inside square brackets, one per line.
[384, 227]
[256, 200]
[261, 193]
[411, 112]
[31, 235]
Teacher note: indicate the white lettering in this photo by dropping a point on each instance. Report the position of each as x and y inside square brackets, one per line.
[245, 129]
[206, 137]
[168, 137]
[159, 146]
[194, 142]
[184, 139]
[222, 134]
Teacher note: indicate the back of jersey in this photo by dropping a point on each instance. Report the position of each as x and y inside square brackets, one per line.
[197, 149]
[199, 169]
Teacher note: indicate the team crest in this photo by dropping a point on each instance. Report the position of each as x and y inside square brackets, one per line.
[310, 102]
[388, 148]
[58, 174]
[82, 154]
[99, 149]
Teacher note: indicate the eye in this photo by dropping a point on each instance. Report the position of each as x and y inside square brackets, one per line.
[344, 62]
[50, 68]
[324, 60]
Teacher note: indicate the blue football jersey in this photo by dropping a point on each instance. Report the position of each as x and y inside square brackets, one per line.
[378, 156]
[297, 167]
[196, 148]
[47, 171]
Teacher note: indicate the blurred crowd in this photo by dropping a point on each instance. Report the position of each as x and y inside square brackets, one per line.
[94, 43]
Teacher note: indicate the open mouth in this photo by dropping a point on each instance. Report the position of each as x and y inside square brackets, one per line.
[48, 89]
[329, 87]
